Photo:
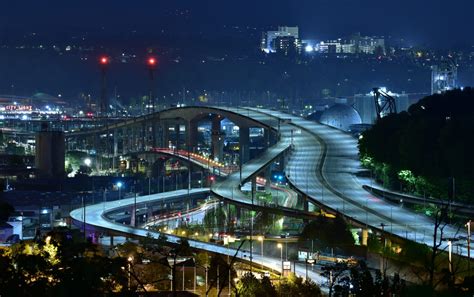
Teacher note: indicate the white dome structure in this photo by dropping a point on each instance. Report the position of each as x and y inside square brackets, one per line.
[340, 116]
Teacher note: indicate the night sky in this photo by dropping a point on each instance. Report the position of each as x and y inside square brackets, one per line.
[436, 22]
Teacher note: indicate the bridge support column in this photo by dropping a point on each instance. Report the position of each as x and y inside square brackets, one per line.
[111, 241]
[244, 141]
[133, 216]
[254, 187]
[125, 141]
[143, 134]
[266, 135]
[191, 135]
[177, 136]
[165, 135]
[268, 179]
[283, 160]
[365, 236]
[154, 133]
[217, 138]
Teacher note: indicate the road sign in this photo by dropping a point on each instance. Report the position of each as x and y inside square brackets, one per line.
[286, 265]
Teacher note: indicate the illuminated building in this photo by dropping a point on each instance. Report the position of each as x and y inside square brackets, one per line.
[274, 41]
[443, 77]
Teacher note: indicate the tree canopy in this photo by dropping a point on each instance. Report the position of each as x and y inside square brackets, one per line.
[433, 139]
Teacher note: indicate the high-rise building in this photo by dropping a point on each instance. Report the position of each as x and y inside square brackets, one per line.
[286, 45]
[284, 33]
[443, 77]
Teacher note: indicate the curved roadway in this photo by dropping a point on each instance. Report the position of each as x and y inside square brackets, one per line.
[323, 165]
[96, 216]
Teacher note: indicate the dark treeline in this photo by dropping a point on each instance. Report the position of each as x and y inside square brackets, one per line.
[426, 147]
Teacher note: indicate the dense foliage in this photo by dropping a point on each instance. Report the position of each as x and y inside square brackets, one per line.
[60, 265]
[293, 286]
[426, 146]
[326, 232]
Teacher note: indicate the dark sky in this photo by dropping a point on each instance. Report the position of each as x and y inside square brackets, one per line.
[437, 22]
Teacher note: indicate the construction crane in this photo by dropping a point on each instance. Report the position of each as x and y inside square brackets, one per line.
[384, 103]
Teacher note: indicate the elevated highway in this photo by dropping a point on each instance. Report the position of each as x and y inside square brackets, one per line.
[96, 218]
[324, 166]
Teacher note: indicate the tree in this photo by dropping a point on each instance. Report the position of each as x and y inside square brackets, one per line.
[295, 286]
[59, 266]
[429, 141]
[182, 248]
[219, 270]
[250, 286]
[333, 272]
[330, 232]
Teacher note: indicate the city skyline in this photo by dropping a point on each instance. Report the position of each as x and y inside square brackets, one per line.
[423, 22]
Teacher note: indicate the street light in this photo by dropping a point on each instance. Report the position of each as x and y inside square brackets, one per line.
[260, 238]
[450, 247]
[130, 259]
[119, 186]
[308, 261]
[229, 239]
[87, 162]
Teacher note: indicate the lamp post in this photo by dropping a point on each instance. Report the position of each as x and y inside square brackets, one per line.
[229, 240]
[468, 225]
[310, 261]
[129, 260]
[280, 246]
[119, 186]
[450, 248]
[260, 238]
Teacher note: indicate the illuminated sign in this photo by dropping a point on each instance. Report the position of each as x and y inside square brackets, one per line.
[19, 108]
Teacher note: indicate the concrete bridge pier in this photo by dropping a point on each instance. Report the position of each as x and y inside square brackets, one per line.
[305, 203]
[244, 142]
[133, 216]
[365, 236]
[143, 138]
[165, 135]
[268, 178]
[217, 138]
[254, 188]
[177, 136]
[191, 135]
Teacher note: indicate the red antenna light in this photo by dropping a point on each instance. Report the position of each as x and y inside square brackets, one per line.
[104, 60]
[151, 61]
